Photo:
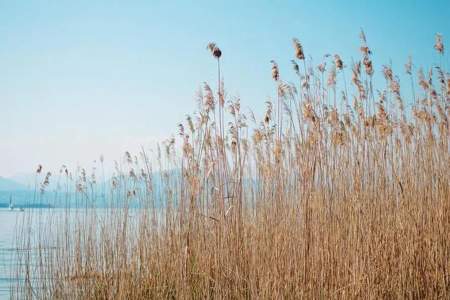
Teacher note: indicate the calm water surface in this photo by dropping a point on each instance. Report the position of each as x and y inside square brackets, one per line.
[7, 262]
[8, 225]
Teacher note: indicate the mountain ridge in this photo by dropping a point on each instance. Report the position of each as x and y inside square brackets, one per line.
[7, 184]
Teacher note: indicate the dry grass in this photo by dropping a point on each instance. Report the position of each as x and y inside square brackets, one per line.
[326, 197]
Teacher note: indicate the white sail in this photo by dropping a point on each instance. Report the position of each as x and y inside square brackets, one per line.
[11, 205]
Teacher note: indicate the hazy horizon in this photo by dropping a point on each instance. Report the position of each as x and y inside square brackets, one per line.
[80, 80]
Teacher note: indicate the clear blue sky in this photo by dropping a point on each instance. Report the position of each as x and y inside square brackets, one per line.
[84, 78]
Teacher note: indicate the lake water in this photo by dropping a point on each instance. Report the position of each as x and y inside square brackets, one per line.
[7, 263]
[9, 221]
[8, 247]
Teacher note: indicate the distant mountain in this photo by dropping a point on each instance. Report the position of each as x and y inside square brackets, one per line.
[7, 184]
[33, 180]
[25, 179]
[21, 190]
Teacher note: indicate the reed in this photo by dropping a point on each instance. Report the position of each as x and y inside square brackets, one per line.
[342, 200]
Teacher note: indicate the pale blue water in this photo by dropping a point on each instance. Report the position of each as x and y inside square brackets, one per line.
[7, 257]
[10, 221]
[8, 248]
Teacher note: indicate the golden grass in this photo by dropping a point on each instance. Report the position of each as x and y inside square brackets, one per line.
[338, 198]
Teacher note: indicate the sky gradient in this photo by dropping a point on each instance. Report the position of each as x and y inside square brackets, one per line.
[79, 79]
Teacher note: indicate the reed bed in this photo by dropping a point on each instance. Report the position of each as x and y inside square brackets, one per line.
[340, 190]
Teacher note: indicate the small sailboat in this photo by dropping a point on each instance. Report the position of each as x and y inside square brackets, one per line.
[11, 205]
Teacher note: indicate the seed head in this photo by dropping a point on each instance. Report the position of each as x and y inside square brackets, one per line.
[208, 100]
[338, 62]
[362, 36]
[387, 72]
[321, 67]
[275, 71]
[298, 49]
[215, 51]
[295, 66]
[368, 65]
[408, 66]
[439, 44]
[365, 50]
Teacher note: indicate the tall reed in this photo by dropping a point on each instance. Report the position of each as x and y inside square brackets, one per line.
[348, 200]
